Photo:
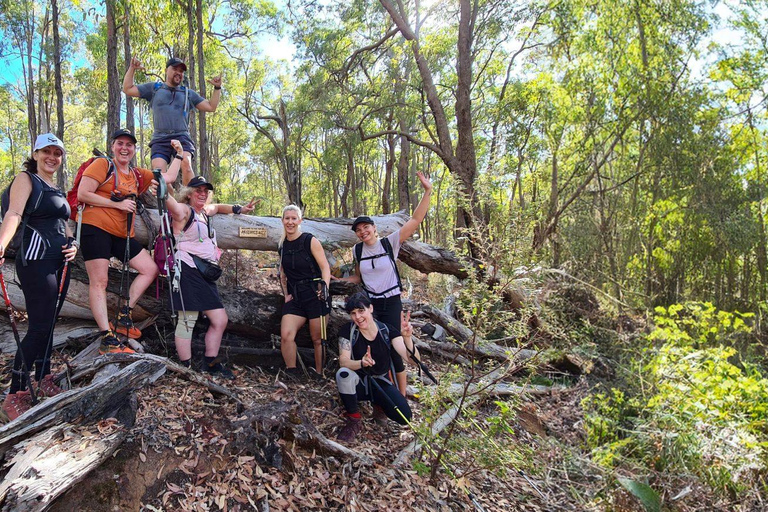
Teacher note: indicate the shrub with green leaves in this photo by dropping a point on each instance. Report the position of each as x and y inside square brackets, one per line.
[696, 407]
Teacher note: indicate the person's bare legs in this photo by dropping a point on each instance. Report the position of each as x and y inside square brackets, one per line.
[148, 271]
[317, 341]
[289, 327]
[98, 277]
[218, 323]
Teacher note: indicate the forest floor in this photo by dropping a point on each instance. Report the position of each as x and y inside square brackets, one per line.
[185, 452]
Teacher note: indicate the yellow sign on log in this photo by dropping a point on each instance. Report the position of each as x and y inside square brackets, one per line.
[253, 232]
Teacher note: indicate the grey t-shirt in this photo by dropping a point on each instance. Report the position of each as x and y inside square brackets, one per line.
[168, 108]
[378, 274]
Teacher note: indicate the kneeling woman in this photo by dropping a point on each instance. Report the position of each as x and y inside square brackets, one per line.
[368, 352]
[196, 240]
[304, 276]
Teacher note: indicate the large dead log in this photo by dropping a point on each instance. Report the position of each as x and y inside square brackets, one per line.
[53, 461]
[333, 233]
[90, 402]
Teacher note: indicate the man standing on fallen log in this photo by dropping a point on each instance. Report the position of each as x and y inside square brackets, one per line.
[371, 353]
[171, 102]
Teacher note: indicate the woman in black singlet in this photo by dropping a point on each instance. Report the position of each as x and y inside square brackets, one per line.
[46, 244]
[304, 276]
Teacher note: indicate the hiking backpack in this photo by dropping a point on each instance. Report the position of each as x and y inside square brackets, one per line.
[72, 194]
[163, 248]
[358, 252]
[33, 203]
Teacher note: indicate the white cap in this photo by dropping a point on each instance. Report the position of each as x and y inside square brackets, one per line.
[48, 139]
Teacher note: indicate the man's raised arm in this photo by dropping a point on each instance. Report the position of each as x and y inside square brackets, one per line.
[129, 82]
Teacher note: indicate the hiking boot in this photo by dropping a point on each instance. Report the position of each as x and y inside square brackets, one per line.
[111, 345]
[16, 404]
[379, 416]
[349, 431]
[216, 369]
[293, 374]
[313, 375]
[125, 324]
[47, 388]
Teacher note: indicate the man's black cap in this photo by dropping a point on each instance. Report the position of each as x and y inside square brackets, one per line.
[199, 181]
[363, 219]
[175, 61]
[122, 132]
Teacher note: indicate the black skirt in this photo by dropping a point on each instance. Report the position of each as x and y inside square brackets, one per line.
[198, 293]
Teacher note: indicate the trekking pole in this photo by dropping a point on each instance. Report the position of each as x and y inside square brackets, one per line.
[59, 303]
[166, 232]
[447, 469]
[15, 329]
[322, 294]
[124, 298]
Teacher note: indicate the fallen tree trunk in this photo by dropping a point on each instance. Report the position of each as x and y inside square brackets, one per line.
[90, 402]
[472, 343]
[53, 461]
[264, 233]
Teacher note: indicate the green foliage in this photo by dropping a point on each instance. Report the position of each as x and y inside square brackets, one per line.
[693, 407]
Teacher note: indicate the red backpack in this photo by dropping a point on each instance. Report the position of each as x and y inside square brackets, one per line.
[72, 194]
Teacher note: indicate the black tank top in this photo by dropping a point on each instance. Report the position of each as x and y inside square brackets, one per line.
[46, 227]
[298, 263]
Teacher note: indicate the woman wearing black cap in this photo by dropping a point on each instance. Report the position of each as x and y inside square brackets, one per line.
[374, 267]
[195, 249]
[109, 189]
[40, 210]
[370, 352]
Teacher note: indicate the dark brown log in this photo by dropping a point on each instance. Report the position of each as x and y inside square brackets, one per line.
[259, 429]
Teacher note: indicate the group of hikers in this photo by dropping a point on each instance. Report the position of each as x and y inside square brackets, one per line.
[373, 347]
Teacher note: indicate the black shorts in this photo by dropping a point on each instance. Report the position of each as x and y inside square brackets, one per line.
[161, 146]
[309, 308]
[95, 243]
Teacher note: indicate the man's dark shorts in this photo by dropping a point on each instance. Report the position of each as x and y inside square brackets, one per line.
[161, 146]
[95, 243]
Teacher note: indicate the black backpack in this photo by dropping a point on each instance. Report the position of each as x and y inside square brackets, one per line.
[33, 203]
[358, 251]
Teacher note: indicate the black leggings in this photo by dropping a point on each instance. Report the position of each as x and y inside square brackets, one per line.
[40, 284]
[388, 310]
[367, 390]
